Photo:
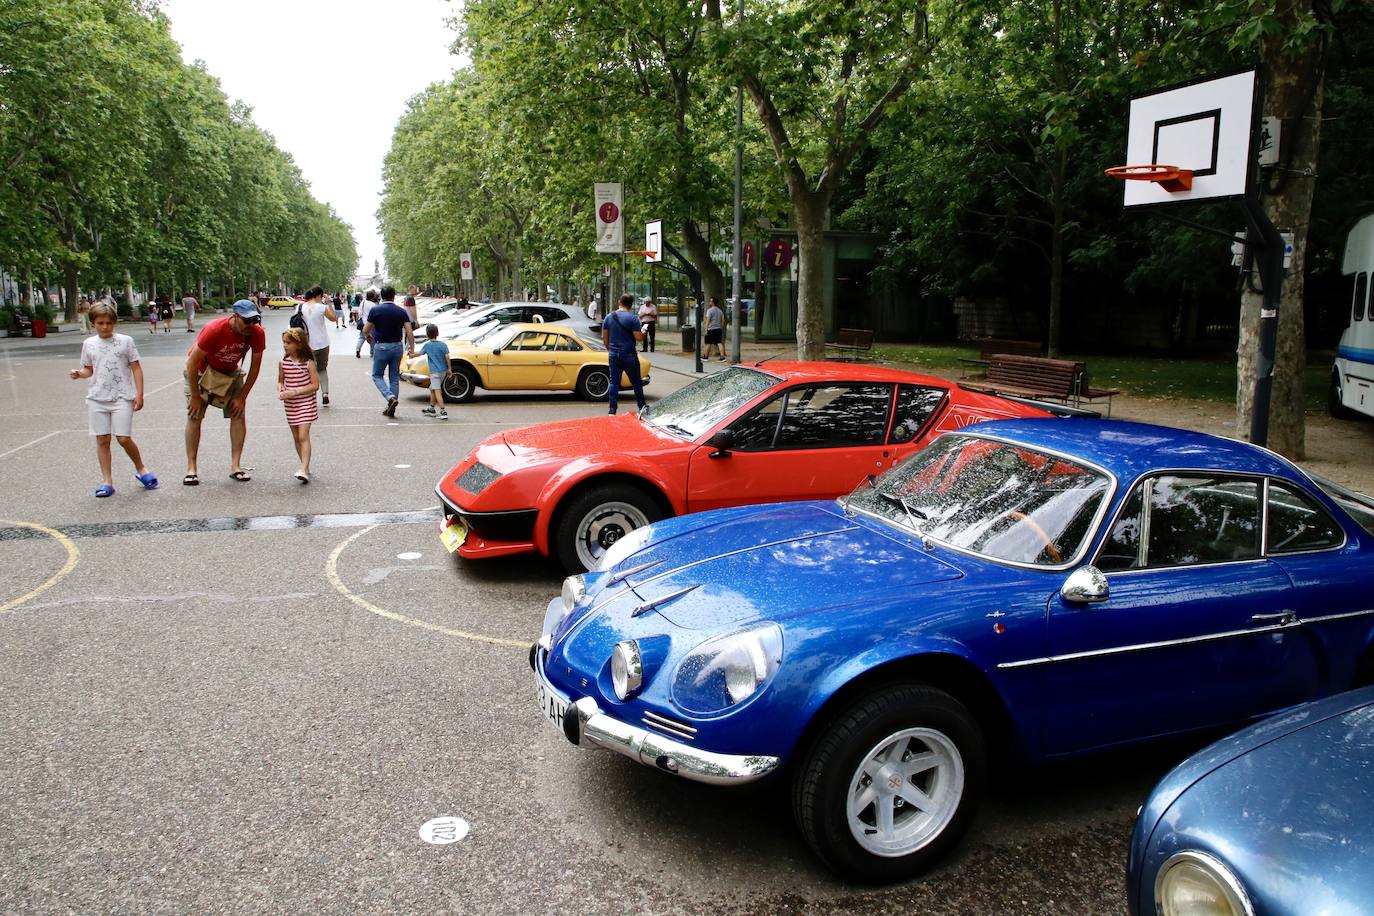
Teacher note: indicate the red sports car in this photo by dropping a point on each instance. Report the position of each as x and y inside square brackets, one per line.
[771, 432]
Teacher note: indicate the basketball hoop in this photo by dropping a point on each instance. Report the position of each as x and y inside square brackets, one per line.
[1168, 177]
[645, 253]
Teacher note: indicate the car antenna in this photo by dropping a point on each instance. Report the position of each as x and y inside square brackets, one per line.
[766, 359]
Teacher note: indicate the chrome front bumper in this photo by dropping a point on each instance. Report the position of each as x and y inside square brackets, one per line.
[585, 723]
[415, 379]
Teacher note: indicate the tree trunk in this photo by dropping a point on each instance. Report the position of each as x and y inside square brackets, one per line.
[808, 210]
[70, 275]
[129, 290]
[699, 251]
[1294, 93]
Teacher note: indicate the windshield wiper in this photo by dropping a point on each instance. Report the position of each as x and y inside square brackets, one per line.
[912, 513]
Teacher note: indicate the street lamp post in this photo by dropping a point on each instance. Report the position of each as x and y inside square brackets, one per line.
[737, 284]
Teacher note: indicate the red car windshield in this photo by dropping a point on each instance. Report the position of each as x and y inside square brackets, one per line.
[700, 406]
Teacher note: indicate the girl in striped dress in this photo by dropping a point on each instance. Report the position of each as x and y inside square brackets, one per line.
[297, 382]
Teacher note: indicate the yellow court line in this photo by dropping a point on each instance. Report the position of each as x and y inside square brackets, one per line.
[331, 572]
[20, 448]
[72, 556]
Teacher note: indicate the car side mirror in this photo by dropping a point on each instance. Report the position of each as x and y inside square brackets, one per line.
[722, 441]
[495, 351]
[1085, 585]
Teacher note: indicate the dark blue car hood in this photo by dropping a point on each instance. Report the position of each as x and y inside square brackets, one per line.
[777, 561]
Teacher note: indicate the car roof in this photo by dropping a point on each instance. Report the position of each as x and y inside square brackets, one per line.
[855, 372]
[1129, 449]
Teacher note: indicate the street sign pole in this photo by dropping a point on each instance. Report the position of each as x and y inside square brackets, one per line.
[737, 284]
[1268, 244]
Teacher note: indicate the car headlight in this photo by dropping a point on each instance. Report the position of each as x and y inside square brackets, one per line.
[574, 590]
[728, 670]
[627, 669]
[624, 547]
[1196, 884]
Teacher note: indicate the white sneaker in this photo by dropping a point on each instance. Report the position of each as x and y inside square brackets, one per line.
[443, 415]
[428, 411]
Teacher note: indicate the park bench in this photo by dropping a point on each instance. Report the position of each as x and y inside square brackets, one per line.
[851, 340]
[990, 346]
[1037, 377]
[23, 325]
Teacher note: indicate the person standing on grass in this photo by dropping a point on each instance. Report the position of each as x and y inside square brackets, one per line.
[111, 362]
[436, 355]
[620, 332]
[213, 378]
[317, 311]
[387, 326]
[297, 382]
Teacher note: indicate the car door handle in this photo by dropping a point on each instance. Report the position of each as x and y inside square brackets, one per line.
[1281, 617]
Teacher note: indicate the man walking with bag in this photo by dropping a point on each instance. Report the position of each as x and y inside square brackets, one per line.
[213, 379]
[620, 332]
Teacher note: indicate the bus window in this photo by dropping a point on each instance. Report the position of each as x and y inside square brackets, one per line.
[1361, 292]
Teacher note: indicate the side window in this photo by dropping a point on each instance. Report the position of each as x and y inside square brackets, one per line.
[754, 432]
[1121, 550]
[531, 340]
[1361, 294]
[1297, 523]
[549, 314]
[506, 316]
[835, 415]
[567, 343]
[1202, 520]
[915, 405]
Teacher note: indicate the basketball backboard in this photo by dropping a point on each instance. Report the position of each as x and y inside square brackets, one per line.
[653, 241]
[1205, 126]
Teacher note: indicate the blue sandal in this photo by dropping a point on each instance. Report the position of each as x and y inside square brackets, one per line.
[104, 490]
[149, 480]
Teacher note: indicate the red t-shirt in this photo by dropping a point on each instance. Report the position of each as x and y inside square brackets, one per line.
[223, 348]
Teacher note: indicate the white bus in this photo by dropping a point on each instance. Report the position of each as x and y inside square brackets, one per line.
[1352, 377]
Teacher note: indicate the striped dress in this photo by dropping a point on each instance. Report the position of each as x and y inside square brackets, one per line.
[303, 409]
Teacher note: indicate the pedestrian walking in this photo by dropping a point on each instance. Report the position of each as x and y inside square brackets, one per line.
[366, 306]
[387, 326]
[594, 309]
[111, 362]
[715, 329]
[213, 379]
[411, 307]
[648, 323]
[338, 313]
[353, 301]
[317, 310]
[620, 332]
[436, 355]
[153, 313]
[189, 306]
[297, 382]
[83, 314]
[168, 312]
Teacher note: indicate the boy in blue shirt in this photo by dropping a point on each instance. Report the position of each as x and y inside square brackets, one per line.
[436, 353]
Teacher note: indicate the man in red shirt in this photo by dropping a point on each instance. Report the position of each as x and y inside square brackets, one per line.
[213, 378]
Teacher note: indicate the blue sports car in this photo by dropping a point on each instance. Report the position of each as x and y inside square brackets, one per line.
[1278, 818]
[1042, 588]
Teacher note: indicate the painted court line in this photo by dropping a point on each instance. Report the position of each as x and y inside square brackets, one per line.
[20, 448]
[72, 556]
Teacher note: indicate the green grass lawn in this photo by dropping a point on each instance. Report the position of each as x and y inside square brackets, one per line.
[1138, 376]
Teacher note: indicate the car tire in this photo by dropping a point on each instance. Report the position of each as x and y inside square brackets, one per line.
[596, 519]
[1334, 405]
[458, 386]
[880, 834]
[594, 384]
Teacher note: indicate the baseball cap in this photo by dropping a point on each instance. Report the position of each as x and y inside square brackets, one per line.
[246, 308]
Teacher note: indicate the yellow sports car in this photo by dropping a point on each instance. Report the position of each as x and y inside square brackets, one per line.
[282, 302]
[521, 357]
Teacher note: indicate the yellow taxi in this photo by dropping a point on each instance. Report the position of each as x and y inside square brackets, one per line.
[523, 357]
[282, 302]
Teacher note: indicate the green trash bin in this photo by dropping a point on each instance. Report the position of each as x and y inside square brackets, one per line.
[689, 338]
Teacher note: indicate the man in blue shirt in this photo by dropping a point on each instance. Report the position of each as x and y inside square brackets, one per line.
[620, 332]
[387, 325]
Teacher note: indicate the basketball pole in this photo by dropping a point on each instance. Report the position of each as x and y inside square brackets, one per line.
[1268, 244]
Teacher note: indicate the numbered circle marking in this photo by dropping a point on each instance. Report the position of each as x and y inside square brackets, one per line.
[443, 830]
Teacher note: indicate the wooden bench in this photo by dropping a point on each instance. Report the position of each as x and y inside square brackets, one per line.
[23, 325]
[988, 347]
[851, 340]
[1062, 380]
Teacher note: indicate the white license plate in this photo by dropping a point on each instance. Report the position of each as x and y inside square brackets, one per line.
[553, 705]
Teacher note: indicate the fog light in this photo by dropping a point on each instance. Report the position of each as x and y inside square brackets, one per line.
[627, 669]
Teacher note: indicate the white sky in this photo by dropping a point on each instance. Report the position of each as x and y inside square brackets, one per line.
[312, 72]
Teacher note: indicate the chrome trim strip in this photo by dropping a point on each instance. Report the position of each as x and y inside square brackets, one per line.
[675, 729]
[626, 573]
[1264, 517]
[1325, 617]
[1164, 643]
[661, 600]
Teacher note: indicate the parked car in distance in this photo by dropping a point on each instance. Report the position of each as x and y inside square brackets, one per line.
[1034, 589]
[506, 313]
[283, 302]
[523, 357]
[773, 431]
[1277, 818]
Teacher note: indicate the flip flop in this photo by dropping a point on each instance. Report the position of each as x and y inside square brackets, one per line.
[240, 476]
[191, 480]
[303, 478]
[149, 480]
[104, 490]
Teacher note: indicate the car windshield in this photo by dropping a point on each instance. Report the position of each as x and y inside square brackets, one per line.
[997, 499]
[692, 410]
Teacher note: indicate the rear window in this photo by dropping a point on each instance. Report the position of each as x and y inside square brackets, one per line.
[1357, 505]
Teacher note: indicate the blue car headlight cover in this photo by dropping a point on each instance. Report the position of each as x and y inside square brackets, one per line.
[727, 670]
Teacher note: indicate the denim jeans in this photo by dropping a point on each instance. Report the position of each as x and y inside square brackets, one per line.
[386, 357]
[628, 363]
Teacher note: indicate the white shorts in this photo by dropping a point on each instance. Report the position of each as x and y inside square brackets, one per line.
[108, 417]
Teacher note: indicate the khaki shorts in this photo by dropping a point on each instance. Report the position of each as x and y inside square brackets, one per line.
[234, 390]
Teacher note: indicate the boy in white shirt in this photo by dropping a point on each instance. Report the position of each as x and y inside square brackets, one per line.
[111, 362]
